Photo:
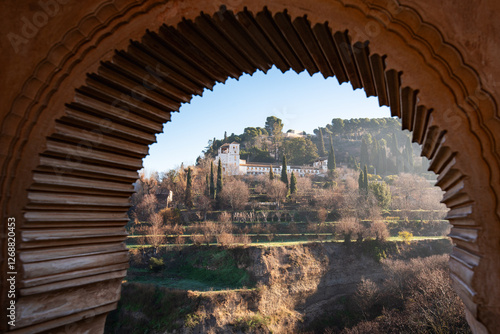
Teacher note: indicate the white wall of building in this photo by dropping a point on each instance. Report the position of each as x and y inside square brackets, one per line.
[229, 155]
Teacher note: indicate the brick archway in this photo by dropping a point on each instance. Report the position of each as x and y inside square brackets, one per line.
[77, 129]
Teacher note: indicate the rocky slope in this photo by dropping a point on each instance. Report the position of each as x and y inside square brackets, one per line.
[294, 284]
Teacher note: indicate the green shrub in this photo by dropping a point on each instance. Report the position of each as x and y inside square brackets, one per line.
[156, 265]
[406, 236]
[192, 320]
[252, 322]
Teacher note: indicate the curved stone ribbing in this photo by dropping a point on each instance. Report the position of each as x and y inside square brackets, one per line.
[73, 235]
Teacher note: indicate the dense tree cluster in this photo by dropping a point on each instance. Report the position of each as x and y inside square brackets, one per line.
[353, 143]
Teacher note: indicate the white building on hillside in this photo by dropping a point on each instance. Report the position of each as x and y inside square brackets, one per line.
[321, 164]
[229, 155]
[295, 134]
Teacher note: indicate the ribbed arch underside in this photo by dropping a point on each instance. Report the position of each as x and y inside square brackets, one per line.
[72, 242]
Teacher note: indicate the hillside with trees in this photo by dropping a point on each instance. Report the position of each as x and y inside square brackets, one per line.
[376, 197]
[391, 190]
[378, 143]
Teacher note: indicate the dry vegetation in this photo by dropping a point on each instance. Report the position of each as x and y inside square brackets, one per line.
[414, 297]
[270, 290]
[194, 209]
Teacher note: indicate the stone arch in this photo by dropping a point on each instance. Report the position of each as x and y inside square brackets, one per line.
[68, 188]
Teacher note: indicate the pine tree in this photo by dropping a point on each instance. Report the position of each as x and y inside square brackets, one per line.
[284, 175]
[293, 184]
[332, 165]
[271, 173]
[365, 179]
[188, 197]
[218, 191]
[364, 158]
[322, 150]
[212, 181]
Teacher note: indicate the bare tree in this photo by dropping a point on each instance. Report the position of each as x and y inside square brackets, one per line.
[204, 204]
[225, 239]
[348, 227]
[235, 193]
[325, 199]
[412, 192]
[378, 230]
[366, 295]
[146, 207]
[304, 189]
[322, 214]
[156, 231]
[349, 201]
[207, 231]
[224, 217]
[277, 191]
[259, 188]
[351, 183]
[175, 180]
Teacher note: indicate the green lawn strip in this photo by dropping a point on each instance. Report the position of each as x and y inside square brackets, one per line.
[432, 237]
[249, 234]
[291, 242]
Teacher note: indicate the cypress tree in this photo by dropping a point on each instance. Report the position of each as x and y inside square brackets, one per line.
[365, 179]
[212, 181]
[332, 165]
[207, 185]
[188, 198]
[293, 184]
[322, 150]
[361, 181]
[225, 136]
[364, 158]
[271, 173]
[219, 185]
[284, 175]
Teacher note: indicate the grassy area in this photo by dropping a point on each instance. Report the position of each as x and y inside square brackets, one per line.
[145, 307]
[191, 278]
[433, 237]
[206, 268]
[291, 242]
[197, 268]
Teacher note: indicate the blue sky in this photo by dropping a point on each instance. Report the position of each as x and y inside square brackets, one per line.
[301, 101]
